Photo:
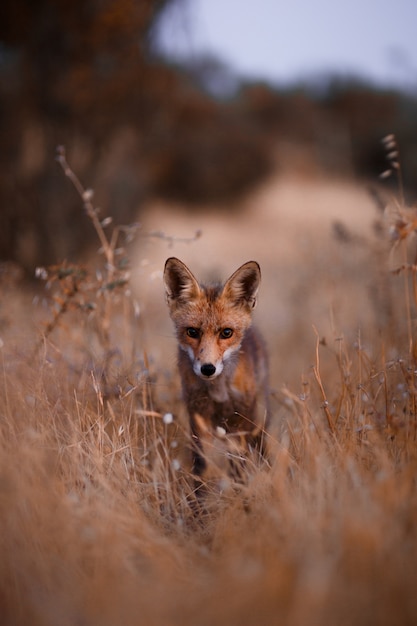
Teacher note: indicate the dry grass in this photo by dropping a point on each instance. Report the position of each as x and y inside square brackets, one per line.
[99, 521]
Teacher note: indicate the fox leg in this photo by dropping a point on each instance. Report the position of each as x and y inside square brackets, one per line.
[198, 463]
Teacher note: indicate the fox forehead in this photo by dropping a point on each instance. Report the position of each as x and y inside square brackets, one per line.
[211, 311]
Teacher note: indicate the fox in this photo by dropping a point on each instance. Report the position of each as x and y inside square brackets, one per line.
[222, 357]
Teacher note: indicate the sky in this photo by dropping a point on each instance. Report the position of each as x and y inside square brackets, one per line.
[287, 41]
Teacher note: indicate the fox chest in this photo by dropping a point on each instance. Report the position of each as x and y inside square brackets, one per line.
[224, 402]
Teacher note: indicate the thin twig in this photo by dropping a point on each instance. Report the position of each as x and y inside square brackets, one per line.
[86, 196]
[158, 234]
[316, 370]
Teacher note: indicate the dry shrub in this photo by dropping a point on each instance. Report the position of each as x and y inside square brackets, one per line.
[92, 533]
[100, 523]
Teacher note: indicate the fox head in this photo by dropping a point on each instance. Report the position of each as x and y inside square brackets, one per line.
[210, 320]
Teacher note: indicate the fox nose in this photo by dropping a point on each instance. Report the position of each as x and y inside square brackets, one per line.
[208, 369]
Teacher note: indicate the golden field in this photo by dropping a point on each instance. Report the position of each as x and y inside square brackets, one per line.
[99, 523]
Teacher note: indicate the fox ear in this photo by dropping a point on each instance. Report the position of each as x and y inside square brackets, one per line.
[180, 284]
[242, 287]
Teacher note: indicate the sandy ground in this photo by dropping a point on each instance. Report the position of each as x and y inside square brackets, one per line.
[311, 277]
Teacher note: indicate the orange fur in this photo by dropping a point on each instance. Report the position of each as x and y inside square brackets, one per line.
[222, 358]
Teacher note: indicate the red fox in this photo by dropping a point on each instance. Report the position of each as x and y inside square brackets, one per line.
[222, 359]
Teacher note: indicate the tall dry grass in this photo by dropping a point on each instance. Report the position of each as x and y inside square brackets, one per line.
[99, 520]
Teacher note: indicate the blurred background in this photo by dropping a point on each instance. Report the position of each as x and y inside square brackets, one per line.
[193, 102]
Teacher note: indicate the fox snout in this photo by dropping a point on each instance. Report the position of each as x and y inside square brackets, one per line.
[205, 369]
[208, 369]
[208, 358]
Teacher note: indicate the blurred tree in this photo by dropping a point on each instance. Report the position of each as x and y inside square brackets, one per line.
[83, 74]
[73, 57]
[67, 70]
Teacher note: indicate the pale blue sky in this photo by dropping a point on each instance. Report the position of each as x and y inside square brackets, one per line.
[287, 40]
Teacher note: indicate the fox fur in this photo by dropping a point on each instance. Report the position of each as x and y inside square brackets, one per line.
[222, 358]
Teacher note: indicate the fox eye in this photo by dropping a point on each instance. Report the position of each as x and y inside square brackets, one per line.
[194, 333]
[226, 333]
